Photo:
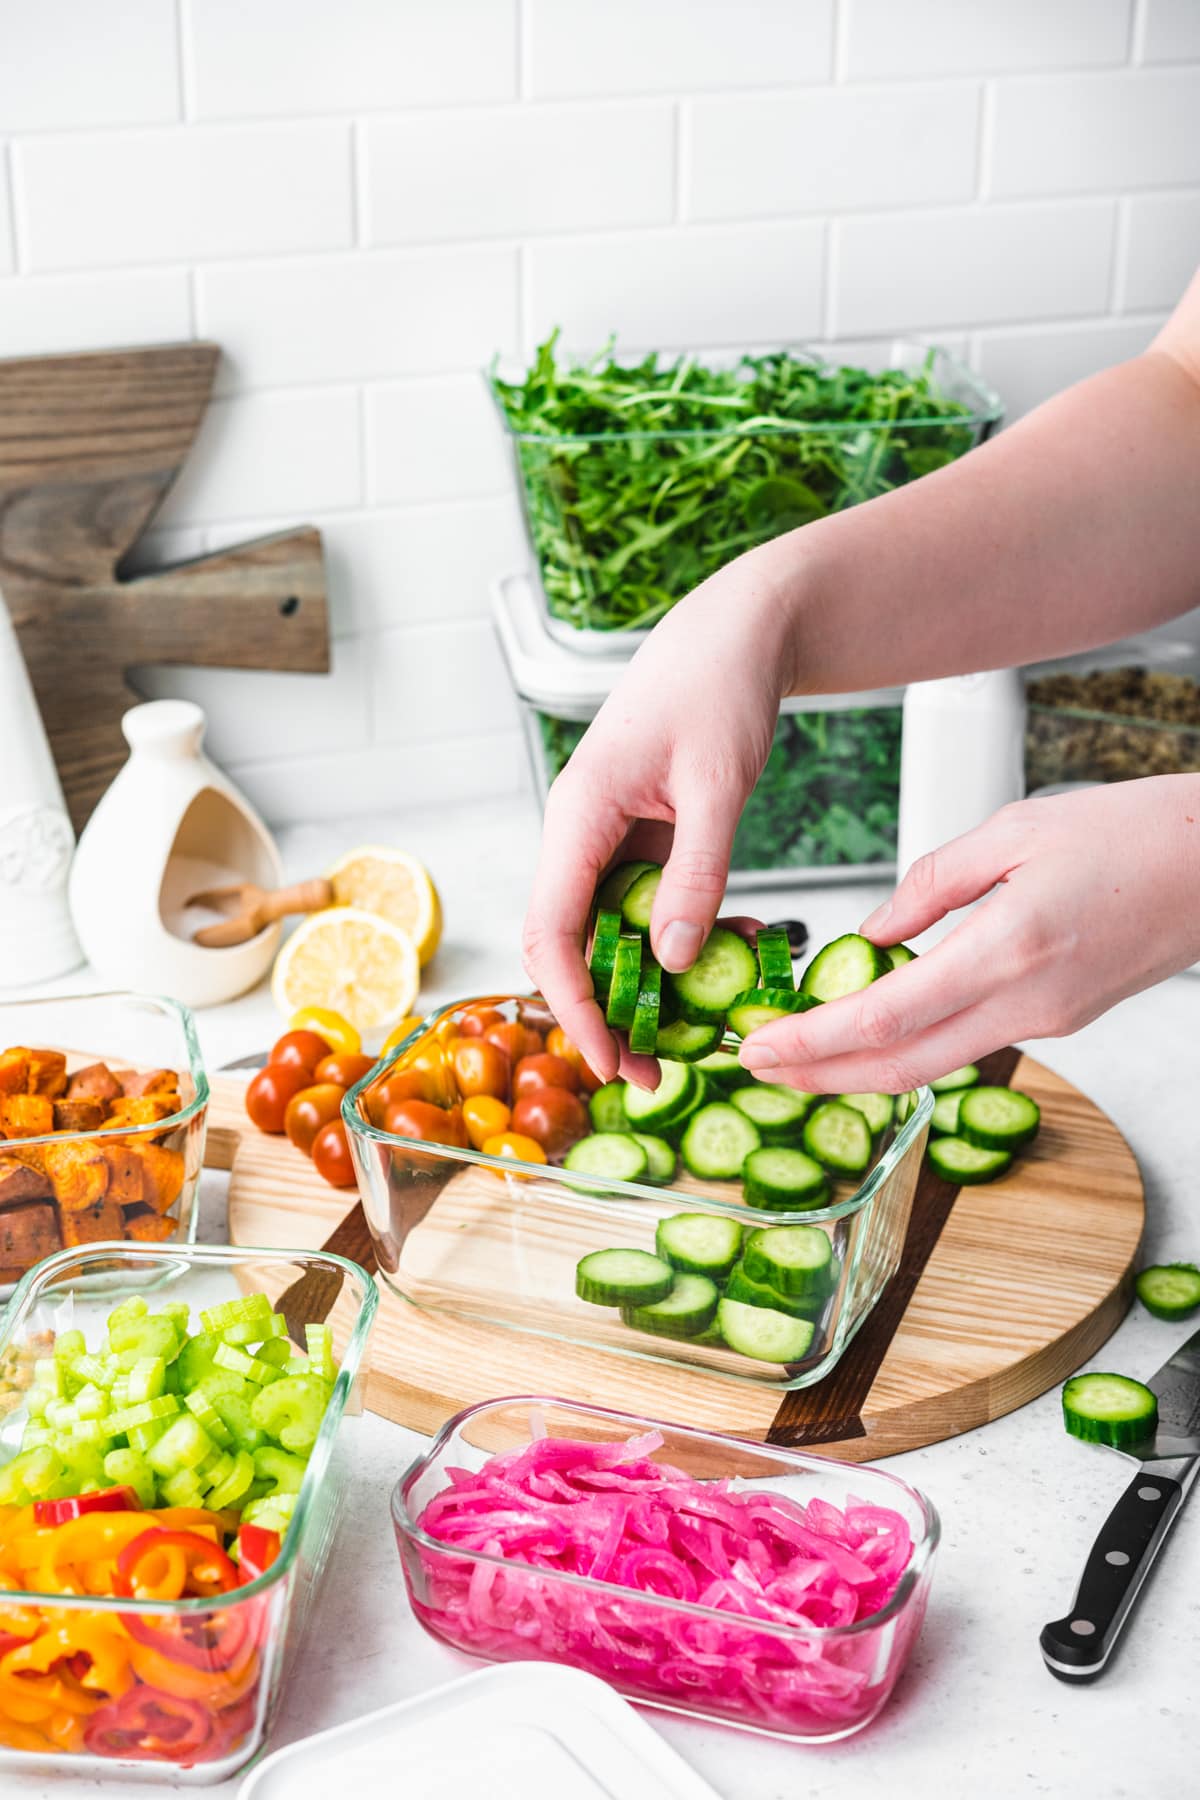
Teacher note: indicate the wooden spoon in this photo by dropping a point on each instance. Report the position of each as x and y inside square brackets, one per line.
[250, 908]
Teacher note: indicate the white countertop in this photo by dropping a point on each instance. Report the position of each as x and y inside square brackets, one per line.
[1020, 1502]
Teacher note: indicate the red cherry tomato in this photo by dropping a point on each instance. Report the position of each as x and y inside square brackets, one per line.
[309, 1111]
[268, 1094]
[432, 1124]
[544, 1070]
[344, 1068]
[515, 1040]
[552, 1117]
[478, 1019]
[331, 1154]
[480, 1068]
[559, 1044]
[300, 1050]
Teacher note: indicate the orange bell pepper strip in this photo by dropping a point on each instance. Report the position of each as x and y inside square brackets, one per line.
[93, 1538]
[101, 1637]
[218, 1687]
[66, 1732]
[24, 1737]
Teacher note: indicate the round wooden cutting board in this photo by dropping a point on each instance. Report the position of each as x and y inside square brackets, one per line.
[1003, 1291]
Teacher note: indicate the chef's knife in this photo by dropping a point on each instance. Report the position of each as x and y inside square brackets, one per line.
[1077, 1648]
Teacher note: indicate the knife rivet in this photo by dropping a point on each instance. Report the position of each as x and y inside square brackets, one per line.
[1149, 1493]
[1082, 1627]
[1117, 1558]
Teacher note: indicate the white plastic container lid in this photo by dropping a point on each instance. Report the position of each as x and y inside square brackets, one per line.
[525, 1731]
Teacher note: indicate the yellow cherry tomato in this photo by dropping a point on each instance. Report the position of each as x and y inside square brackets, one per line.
[516, 1145]
[397, 1035]
[485, 1117]
[338, 1033]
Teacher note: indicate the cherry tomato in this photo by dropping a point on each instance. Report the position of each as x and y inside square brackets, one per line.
[553, 1117]
[344, 1067]
[431, 1124]
[403, 1084]
[341, 1036]
[268, 1094]
[512, 1143]
[479, 1068]
[309, 1111]
[398, 1033]
[300, 1050]
[484, 1117]
[559, 1044]
[478, 1019]
[533, 1072]
[515, 1040]
[331, 1154]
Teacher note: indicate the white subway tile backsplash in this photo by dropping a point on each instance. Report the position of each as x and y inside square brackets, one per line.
[978, 37]
[548, 168]
[996, 264]
[1028, 366]
[438, 681]
[354, 317]
[421, 564]
[656, 46]
[741, 285]
[7, 249]
[1081, 134]
[43, 313]
[1171, 32]
[287, 454]
[385, 779]
[288, 57]
[831, 150]
[165, 196]
[73, 66]
[434, 440]
[1162, 250]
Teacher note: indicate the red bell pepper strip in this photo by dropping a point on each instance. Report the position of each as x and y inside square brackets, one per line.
[215, 1640]
[166, 1565]
[146, 1723]
[57, 1512]
[257, 1549]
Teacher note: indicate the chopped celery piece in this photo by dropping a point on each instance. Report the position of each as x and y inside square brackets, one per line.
[291, 1410]
[182, 1489]
[286, 1472]
[318, 1341]
[202, 1408]
[235, 1413]
[227, 1356]
[69, 1345]
[279, 1352]
[183, 1445]
[145, 1413]
[236, 1484]
[125, 1468]
[91, 1402]
[236, 1312]
[146, 1379]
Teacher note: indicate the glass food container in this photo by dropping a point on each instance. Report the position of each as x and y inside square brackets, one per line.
[210, 1709]
[827, 804]
[104, 1138]
[812, 1685]
[1114, 715]
[654, 491]
[498, 1240]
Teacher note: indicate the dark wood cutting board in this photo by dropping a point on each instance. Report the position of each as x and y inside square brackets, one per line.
[89, 445]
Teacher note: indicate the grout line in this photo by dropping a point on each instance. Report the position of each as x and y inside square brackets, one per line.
[523, 34]
[183, 38]
[359, 211]
[1135, 49]
[987, 139]
[1120, 255]
[524, 322]
[841, 40]
[193, 304]
[683, 157]
[16, 232]
[829, 284]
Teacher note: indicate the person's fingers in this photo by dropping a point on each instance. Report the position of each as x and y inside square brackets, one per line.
[966, 1037]
[961, 871]
[694, 876]
[643, 1071]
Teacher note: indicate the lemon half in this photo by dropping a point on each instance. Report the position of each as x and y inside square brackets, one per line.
[361, 965]
[394, 885]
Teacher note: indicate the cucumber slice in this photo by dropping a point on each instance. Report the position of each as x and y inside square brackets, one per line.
[965, 1077]
[638, 900]
[774, 958]
[623, 1277]
[742, 1286]
[779, 1112]
[689, 1309]
[839, 1137]
[1169, 1290]
[723, 1071]
[845, 966]
[612, 1155]
[944, 1117]
[998, 1118]
[899, 954]
[796, 1260]
[725, 968]
[877, 1109]
[617, 883]
[1109, 1409]
[682, 1042]
[717, 1142]
[661, 1160]
[906, 1106]
[604, 953]
[643, 1033]
[763, 1333]
[607, 1107]
[699, 1243]
[670, 1100]
[777, 1179]
[758, 1006]
[965, 1164]
[626, 982]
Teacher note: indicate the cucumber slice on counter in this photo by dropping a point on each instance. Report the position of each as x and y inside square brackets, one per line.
[877, 1109]
[604, 953]
[742, 1286]
[724, 1072]
[965, 1077]
[774, 958]
[779, 1112]
[643, 1033]
[944, 1117]
[617, 883]
[725, 968]
[626, 982]
[777, 1179]
[1109, 1409]
[763, 1333]
[611, 1155]
[839, 1138]
[758, 1006]
[1169, 1290]
[998, 1118]
[683, 1042]
[649, 1110]
[899, 954]
[607, 1107]
[689, 1309]
[661, 1160]
[638, 900]
[699, 1243]
[793, 1259]
[965, 1164]
[717, 1142]
[845, 966]
[623, 1278]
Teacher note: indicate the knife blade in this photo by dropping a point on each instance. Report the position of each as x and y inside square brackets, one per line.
[1077, 1648]
[256, 1060]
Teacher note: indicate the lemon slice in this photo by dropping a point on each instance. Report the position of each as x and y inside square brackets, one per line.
[394, 885]
[362, 966]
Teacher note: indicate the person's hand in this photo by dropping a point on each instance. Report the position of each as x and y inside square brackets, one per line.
[663, 772]
[1097, 895]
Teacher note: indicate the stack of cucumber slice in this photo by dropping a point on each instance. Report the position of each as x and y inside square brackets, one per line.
[978, 1130]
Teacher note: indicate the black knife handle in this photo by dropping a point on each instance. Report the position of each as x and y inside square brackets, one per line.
[1078, 1647]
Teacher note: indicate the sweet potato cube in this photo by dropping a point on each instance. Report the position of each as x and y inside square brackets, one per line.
[18, 1183]
[162, 1176]
[47, 1073]
[143, 1109]
[14, 1071]
[78, 1174]
[124, 1173]
[26, 1115]
[146, 1226]
[150, 1081]
[78, 1115]
[27, 1233]
[96, 1082]
[96, 1224]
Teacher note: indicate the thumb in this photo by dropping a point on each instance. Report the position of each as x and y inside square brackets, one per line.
[693, 881]
[961, 871]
